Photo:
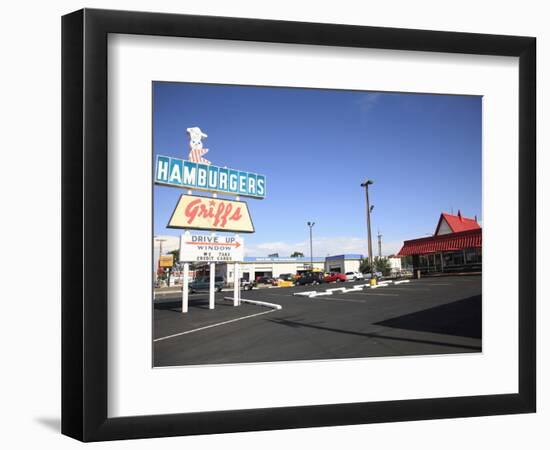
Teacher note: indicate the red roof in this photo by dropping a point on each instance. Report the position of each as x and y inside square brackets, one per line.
[442, 243]
[457, 223]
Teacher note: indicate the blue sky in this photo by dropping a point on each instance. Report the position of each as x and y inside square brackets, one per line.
[316, 146]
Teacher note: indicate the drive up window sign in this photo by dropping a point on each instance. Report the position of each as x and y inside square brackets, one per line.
[211, 248]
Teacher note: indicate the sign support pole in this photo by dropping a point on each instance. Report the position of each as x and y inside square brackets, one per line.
[236, 285]
[236, 279]
[185, 294]
[212, 285]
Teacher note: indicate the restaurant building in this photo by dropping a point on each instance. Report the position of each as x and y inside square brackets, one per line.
[454, 247]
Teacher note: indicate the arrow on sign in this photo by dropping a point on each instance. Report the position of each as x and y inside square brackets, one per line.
[233, 244]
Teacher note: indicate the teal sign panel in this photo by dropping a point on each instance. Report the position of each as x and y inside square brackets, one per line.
[203, 177]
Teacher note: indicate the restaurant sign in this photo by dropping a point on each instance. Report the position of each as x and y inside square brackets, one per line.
[196, 248]
[206, 177]
[207, 213]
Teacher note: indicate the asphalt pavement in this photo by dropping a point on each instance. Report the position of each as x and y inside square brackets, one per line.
[428, 316]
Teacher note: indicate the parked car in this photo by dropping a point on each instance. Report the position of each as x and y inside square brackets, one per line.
[247, 285]
[284, 280]
[203, 284]
[354, 276]
[264, 281]
[335, 276]
[309, 278]
[286, 277]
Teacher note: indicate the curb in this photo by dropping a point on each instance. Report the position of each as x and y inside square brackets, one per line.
[257, 302]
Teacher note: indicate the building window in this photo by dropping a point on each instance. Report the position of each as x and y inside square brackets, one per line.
[473, 255]
[458, 258]
[448, 259]
[423, 261]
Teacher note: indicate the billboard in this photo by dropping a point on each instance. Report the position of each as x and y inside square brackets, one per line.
[207, 248]
[207, 213]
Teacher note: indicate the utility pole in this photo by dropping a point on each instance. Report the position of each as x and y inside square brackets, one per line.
[369, 210]
[160, 241]
[379, 244]
[310, 225]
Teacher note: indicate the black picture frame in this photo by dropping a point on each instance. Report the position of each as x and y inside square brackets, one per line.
[84, 224]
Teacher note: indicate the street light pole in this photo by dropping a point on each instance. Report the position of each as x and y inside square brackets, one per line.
[369, 209]
[310, 225]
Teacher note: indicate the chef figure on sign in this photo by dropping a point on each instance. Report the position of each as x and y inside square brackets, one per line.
[196, 151]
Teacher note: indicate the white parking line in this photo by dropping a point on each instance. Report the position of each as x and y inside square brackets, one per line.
[320, 294]
[305, 293]
[213, 325]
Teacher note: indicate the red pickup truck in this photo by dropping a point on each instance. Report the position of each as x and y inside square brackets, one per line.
[334, 276]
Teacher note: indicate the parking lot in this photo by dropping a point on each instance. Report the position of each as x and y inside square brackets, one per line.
[438, 315]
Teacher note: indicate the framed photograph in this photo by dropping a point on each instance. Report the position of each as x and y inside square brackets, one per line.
[273, 224]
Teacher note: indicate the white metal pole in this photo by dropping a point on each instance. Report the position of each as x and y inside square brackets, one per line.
[236, 285]
[212, 285]
[185, 295]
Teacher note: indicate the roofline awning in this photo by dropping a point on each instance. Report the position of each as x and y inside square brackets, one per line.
[442, 243]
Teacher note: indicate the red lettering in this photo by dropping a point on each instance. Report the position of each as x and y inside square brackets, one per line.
[210, 213]
[227, 211]
[236, 215]
[219, 212]
[191, 210]
[223, 212]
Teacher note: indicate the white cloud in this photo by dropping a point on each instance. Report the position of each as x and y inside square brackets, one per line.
[322, 246]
